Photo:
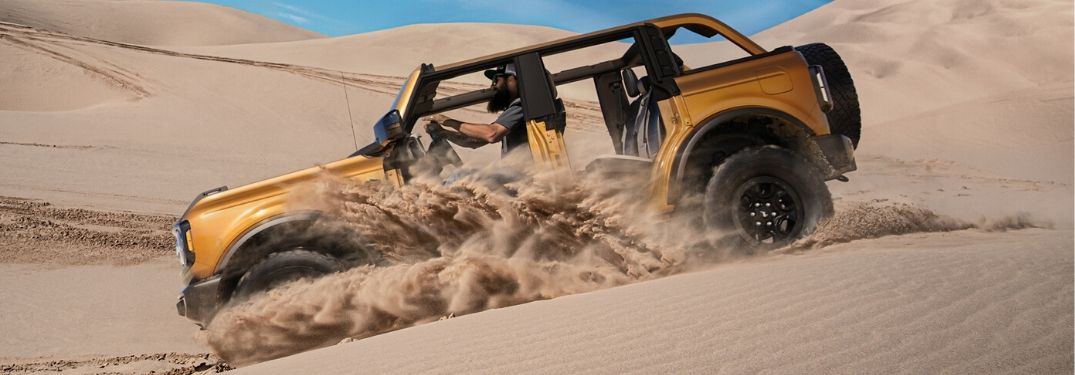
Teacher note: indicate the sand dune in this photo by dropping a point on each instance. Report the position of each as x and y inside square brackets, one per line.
[150, 22]
[395, 51]
[400, 50]
[913, 56]
[972, 82]
[34, 81]
[952, 130]
[180, 105]
[965, 303]
[991, 134]
[219, 119]
[967, 108]
[92, 310]
[95, 319]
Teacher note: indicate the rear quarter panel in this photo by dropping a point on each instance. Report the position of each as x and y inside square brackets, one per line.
[780, 82]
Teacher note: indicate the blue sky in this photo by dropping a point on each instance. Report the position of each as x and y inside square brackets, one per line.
[343, 17]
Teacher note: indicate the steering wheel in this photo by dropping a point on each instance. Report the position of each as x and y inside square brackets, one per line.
[439, 147]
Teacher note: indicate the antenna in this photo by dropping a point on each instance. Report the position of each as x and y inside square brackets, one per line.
[343, 82]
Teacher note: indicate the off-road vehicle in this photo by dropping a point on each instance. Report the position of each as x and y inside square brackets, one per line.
[756, 137]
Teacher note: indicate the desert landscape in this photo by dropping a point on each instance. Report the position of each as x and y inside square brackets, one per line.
[951, 249]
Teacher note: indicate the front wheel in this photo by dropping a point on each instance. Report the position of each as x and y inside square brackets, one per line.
[762, 198]
[282, 267]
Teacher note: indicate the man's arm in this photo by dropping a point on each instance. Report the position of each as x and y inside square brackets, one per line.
[490, 133]
[435, 130]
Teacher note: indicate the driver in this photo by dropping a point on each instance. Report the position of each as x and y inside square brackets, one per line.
[509, 129]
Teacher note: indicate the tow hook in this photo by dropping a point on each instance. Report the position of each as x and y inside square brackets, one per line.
[842, 178]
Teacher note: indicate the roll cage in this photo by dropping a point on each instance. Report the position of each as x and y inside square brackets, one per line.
[650, 49]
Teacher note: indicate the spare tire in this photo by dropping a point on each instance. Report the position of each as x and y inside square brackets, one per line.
[845, 118]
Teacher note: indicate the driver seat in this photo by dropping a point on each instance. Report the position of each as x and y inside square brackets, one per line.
[641, 137]
[644, 130]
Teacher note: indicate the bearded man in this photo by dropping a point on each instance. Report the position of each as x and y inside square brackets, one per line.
[509, 129]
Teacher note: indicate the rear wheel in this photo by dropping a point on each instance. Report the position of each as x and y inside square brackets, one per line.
[763, 198]
[280, 268]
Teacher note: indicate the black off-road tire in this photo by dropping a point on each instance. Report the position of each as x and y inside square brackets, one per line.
[845, 118]
[282, 267]
[735, 199]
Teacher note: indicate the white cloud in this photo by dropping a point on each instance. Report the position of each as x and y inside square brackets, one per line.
[578, 17]
[293, 17]
[301, 15]
[293, 9]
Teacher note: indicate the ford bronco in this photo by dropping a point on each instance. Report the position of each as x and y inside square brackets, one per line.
[756, 137]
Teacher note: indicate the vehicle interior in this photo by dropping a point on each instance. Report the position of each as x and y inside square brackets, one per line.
[628, 103]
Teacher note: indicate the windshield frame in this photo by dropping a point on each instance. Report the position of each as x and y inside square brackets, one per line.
[403, 99]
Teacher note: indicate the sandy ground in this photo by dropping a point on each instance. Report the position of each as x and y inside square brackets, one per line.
[36, 232]
[966, 303]
[94, 313]
[151, 22]
[90, 291]
[107, 130]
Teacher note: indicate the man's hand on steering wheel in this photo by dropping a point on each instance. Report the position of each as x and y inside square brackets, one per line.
[443, 120]
[436, 130]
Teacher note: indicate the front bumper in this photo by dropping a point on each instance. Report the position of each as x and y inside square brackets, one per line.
[838, 152]
[200, 300]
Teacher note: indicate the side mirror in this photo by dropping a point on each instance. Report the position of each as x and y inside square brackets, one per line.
[389, 127]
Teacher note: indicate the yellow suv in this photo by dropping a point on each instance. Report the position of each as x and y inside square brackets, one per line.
[757, 137]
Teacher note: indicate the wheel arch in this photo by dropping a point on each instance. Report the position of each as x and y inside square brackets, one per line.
[263, 228]
[308, 229]
[761, 125]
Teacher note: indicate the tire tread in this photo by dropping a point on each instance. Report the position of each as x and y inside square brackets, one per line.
[846, 116]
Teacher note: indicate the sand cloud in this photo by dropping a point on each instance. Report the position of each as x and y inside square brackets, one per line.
[493, 238]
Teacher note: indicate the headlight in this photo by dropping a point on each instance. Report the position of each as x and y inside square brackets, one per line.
[181, 231]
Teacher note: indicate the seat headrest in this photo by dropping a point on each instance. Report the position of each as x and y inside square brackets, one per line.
[643, 85]
[630, 82]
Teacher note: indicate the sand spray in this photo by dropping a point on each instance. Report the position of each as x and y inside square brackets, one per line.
[499, 236]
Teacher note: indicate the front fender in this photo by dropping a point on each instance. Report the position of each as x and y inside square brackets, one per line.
[235, 246]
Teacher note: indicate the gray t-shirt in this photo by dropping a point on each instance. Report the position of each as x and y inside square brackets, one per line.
[513, 119]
